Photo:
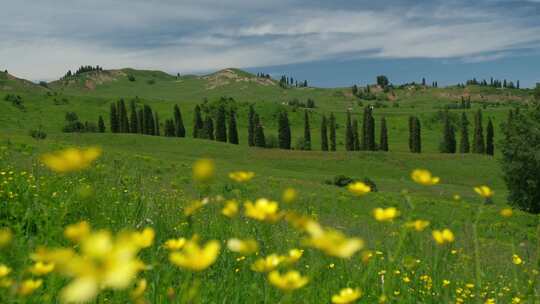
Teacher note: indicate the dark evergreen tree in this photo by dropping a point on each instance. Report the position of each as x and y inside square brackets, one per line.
[332, 132]
[417, 135]
[180, 130]
[478, 139]
[490, 146]
[156, 121]
[122, 117]
[368, 130]
[349, 135]
[170, 129]
[140, 117]
[448, 144]
[114, 118]
[324, 135]
[464, 146]
[307, 132]
[284, 131]
[411, 133]
[356, 136]
[233, 129]
[259, 139]
[208, 128]
[101, 124]
[149, 121]
[221, 124]
[384, 136]
[251, 126]
[198, 124]
[134, 122]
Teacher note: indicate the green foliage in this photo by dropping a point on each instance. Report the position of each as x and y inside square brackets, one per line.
[332, 135]
[221, 127]
[233, 128]
[464, 146]
[490, 146]
[133, 122]
[356, 136]
[383, 81]
[180, 130]
[415, 135]
[324, 134]
[259, 139]
[479, 145]
[284, 130]
[384, 135]
[208, 130]
[251, 126]
[349, 133]
[198, 124]
[101, 124]
[368, 130]
[521, 161]
[448, 144]
[307, 132]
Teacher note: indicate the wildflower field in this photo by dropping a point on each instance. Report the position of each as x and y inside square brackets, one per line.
[126, 218]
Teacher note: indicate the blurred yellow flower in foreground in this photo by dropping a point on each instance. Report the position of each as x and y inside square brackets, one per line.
[359, 188]
[424, 177]
[139, 289]
[289, 195]
[334, 243]
[230, 209]
[418, 225]
[346, 296]
[294, 255]
[242, 246]
[76, 232]
[444, 236]
[484, 191]
[41, 268]
[4, 270]
[516, 259]
[71, 159]
[145, 238]
[196, 257]
[262, 210]
[203, 170]
[506, 212]
[5, 237]
[289, 281]
[28, 286]
[385, 215]
[241, 176]
[175, 244]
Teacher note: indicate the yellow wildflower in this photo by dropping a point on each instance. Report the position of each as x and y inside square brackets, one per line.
[241, 176]
[418, 225]
[346, 296]
[385, 215]
[516, 300]
[444, 236]
[230, 209]
[457, 197]
[175, 244]
[71, 159]
[294, 255]
[484, 191]
[195, 257]
[80, 290]
[424, 177]
[76, 232]
[506, 212]
[516, 259]
[359, 188]
[289, 195]
[4, 270]
[268, 263]
[242, 246]
[41, 268]
[445, 283]
[29, 286]
[334, 243]
[289, 281]
[262, 210]
[139, 289]
[145, 238]
[203, 170]
[195, 206]
[5, 237]
[490, 301]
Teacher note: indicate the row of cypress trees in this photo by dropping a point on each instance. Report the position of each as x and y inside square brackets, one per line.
[366, 140]
[479, 145]
[224, 130]
[415, 135]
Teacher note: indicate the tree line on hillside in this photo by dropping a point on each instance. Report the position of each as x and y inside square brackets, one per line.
[494, 83]
[480, 144]
[81, 70]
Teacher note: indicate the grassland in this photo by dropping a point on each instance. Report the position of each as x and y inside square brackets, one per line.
[145, 181]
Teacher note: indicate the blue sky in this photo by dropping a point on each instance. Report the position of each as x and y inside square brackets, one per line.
[329, 43]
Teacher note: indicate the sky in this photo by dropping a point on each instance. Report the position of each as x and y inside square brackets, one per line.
[328, 43]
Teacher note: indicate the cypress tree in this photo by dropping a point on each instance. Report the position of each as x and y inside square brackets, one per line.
[411, 134]
[284, 131]
[140, 117]
[101, 124]
[368, 130]
[208, 128]
[180, 130]
[448, 144]
[332, 132]
[114, 118]
[233, 129]
[157, 133]
[324, 135]
[349, 136]
[122, 117]
[464, 145]
[478, 139]
[251, 126]
[490, 147]
[417, 135]
[134, 123]
[356, 137]
[384, 135]
[221, 127]
[170, 129]
[258, 136]
[198, 124]
[307, 132]
[149, 120]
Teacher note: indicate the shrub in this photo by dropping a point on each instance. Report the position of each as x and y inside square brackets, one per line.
[38, 134]
[151, 81]
[131, 78]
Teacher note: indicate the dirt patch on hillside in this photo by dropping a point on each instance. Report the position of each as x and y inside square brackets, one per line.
[229, 76]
